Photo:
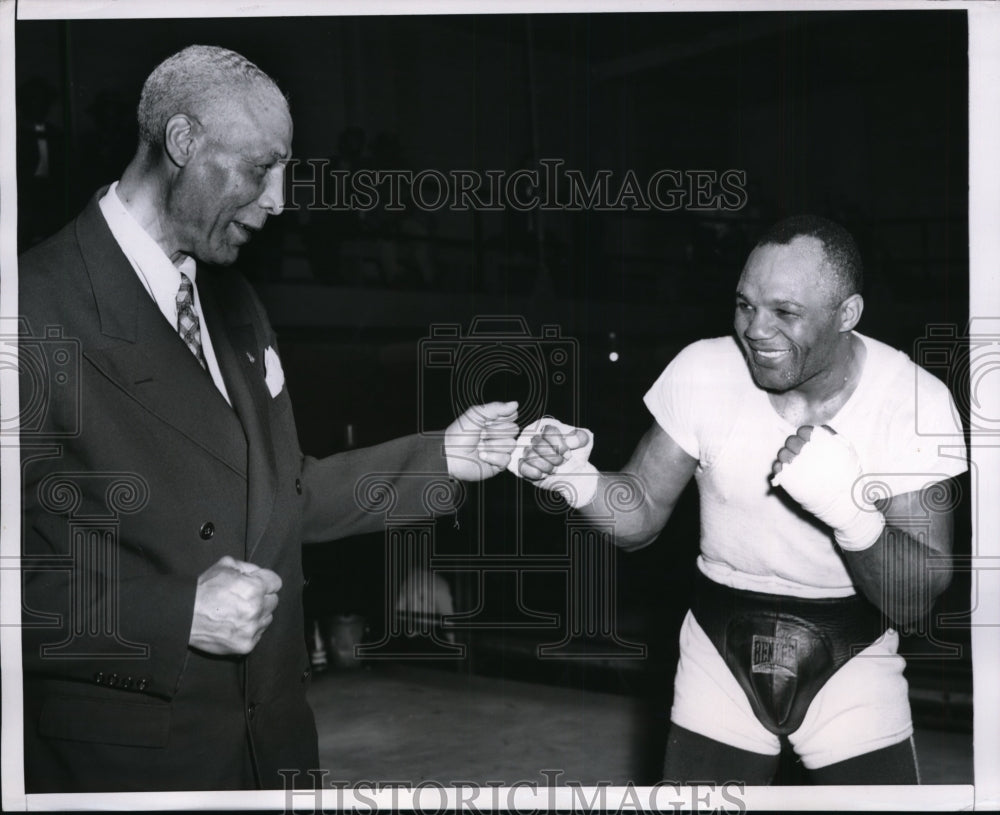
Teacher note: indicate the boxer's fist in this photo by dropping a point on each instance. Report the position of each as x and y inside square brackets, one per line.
[556, 456]
[549, 449]
[233, 606]
[819, 469]
[478, 444]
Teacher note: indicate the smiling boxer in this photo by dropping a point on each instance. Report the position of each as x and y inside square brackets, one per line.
[801, 434]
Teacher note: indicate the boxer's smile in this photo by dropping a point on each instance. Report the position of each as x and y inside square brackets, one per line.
[770, 354]
[787, 319]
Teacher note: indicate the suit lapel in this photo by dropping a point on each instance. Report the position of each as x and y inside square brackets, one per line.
[144, 356]
[240, 354]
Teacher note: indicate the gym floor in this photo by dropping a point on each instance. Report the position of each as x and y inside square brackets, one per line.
[411, 721]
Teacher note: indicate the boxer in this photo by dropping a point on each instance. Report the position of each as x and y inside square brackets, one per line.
[801, 434]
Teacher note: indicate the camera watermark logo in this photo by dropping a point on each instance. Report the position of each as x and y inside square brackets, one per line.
[457, 371]
[48, 367]
[540, 371]
[969, 364]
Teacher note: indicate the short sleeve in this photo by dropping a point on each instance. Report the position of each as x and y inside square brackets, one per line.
[909, 435]
[674, 398]
[928, 433]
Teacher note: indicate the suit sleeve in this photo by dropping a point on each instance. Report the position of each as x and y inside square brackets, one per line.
[356, 492]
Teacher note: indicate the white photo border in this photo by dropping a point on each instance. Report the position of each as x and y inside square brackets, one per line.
[984, 262]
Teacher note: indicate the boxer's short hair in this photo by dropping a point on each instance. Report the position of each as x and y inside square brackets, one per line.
[838, 246]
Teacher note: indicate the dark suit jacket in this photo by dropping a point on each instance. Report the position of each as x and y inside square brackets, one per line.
[137, 477]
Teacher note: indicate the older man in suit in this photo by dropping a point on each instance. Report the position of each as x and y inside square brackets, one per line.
[165, 494]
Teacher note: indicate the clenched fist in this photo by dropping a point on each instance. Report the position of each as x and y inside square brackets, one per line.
[556, 456]
[819, 468]
[478, 443]
[233, 606]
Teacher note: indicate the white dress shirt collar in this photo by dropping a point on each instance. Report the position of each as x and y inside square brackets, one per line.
[158, 275]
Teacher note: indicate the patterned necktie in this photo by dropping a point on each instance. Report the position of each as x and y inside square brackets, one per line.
[188, 325]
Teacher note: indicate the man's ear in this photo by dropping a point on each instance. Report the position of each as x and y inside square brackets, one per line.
[850, 312]
[180, 138]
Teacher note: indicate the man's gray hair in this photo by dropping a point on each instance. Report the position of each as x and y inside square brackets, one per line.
[194, 81]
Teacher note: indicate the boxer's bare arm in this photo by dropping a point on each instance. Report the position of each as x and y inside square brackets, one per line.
[660, 469]
[901, 574]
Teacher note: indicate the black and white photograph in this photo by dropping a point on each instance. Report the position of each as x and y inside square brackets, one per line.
[504, 408]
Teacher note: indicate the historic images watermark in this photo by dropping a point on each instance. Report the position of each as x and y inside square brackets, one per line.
[551, 187]
[315, 792]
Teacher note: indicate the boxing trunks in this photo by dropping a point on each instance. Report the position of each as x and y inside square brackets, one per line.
[783, 649]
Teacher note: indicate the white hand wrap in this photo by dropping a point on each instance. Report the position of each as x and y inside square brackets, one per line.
[575, 479]
[822, 479]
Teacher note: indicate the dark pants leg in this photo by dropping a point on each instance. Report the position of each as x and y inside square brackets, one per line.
[890, 765]
[693, 758]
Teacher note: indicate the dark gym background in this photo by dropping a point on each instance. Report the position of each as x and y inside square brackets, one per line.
[859, 116]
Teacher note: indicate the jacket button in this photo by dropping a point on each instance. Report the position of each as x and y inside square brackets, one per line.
[251, 710]
[305, 675]
[141, 684]
[99, 677]
[207, 530]
[126, 683]
[298, 485]
[113, 681]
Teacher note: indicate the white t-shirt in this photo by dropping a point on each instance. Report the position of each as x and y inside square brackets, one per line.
[754, 536]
